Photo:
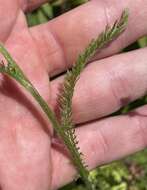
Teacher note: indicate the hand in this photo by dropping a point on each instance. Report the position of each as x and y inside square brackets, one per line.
[30, 158]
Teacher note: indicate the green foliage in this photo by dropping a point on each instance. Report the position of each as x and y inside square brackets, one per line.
[41, 15]
[128, 174]
[142, 42]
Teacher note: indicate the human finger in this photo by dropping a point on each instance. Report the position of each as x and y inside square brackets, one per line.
[61, 40]
[102, 142]
[106, 85]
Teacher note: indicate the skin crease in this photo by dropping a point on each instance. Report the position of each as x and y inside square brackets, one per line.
[29, 157]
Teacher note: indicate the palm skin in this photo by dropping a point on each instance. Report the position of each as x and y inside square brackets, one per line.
[25, 146]
[29, 159]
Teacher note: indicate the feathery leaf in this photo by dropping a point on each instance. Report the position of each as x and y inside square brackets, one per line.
[65, 98]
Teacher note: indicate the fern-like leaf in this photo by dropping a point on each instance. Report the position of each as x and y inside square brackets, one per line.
[65, 98]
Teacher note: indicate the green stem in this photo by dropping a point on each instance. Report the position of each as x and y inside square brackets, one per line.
[14, 71]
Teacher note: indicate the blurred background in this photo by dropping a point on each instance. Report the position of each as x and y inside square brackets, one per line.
[129, 173]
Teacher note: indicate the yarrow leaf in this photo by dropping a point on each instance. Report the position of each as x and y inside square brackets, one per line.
[65, 97]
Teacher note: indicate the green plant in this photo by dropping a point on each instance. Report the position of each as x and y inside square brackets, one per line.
[65, 128]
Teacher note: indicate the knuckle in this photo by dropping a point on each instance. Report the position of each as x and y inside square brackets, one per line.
[103, 142]
[119, 88]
